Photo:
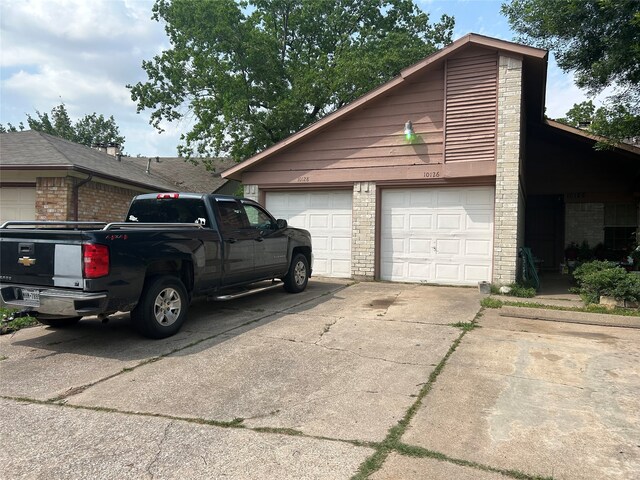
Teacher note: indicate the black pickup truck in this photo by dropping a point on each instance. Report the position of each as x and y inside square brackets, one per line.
[171, 248]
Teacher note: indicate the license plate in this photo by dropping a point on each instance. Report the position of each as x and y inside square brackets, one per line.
[31, 297]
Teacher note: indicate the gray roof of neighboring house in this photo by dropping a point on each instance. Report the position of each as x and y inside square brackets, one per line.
[186, 176]
[31, 150]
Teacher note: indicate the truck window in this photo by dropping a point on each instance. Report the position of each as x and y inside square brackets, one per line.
[169, 210]
[231, 216]
[258, 218]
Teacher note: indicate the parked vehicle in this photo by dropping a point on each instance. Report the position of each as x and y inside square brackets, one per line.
[171, 248]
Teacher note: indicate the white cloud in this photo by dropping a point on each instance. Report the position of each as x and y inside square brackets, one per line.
[82, 53]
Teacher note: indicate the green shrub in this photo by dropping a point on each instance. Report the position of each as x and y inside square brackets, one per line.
[591, 267]
[521, 291]
[605, 278]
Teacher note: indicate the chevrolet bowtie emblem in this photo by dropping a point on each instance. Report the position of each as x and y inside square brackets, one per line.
[26, 261]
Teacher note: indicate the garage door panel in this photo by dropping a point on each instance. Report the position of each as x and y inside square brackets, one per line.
[419, 198]
[341, 268]
[318, 221]
[327, 216]
[417, 270]
[420, 222]
[419, 246]
[341, 221]
[446, 197]
[479, 198]
[453, 247]
[448, 222]
[479, 221]
[448, 247]
[341, 244]
[476, 273]
[17, 203]
[477, 247]
[445, 272]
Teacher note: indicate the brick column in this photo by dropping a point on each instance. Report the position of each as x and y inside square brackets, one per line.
[509, 201]
[251, 192]
[54, 198]
[363, 235]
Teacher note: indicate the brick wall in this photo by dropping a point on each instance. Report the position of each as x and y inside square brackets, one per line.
[508, 202]
[584, 221]
[100, 202]
[363, 231]
[54, 198]
[251, 192]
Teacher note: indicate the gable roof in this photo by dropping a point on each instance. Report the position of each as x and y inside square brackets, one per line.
[535, 62]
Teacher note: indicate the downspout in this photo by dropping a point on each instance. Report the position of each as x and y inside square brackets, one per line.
[76, 195]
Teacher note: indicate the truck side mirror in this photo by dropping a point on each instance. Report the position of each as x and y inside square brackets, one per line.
[282, 223]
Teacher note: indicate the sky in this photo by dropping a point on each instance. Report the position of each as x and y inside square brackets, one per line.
[85, 52]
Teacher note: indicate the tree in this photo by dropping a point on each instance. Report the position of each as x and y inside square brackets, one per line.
[89, 130]
[251, 73]
[612, 122]
[600, 41]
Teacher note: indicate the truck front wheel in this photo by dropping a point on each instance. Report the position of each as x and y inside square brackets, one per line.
[298, 275]
[162, 307]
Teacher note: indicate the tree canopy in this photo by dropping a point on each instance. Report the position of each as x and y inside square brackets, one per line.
[597, 39]
[248, 74]
[88, 130]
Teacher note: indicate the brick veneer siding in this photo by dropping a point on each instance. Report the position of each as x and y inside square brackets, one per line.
[363, 231]
[584, 221]
[252, 192]
[508, 201]
[101, 202]
[54, 198]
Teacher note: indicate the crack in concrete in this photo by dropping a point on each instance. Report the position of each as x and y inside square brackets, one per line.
[157, 455]
[316, 344]
[327, 328]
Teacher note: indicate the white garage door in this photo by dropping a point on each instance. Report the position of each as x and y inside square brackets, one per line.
[327, 216]
[437, 235]
[17, 203]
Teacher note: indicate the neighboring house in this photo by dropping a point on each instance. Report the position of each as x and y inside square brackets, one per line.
[44, 177]
[190, 177]
[482, 174]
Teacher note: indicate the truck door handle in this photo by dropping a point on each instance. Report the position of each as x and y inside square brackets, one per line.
[259, 239]
[231, 240]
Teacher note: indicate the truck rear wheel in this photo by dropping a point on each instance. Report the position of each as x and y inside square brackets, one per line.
[298, 275]
[162, 307]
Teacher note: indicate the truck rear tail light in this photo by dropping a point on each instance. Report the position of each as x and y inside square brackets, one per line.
[168, 195]
[95, 260]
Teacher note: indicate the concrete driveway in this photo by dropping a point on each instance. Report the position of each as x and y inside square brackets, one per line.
[368, 379]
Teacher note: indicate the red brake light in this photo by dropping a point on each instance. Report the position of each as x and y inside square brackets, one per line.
[168, 195]
[95, 260]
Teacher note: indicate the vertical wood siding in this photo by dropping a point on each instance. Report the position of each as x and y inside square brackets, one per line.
[471, 96]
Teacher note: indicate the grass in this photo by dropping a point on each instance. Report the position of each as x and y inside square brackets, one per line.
[466, 326]
[10, 326]
[491, 302]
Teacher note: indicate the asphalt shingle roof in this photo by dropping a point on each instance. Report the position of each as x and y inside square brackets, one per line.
[31, 149]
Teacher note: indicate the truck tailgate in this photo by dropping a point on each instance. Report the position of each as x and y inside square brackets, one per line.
[43, 258]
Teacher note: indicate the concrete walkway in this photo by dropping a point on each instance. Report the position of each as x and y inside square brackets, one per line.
[370, 379]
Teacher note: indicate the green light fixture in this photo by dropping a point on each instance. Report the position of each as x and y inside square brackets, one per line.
[409, 134]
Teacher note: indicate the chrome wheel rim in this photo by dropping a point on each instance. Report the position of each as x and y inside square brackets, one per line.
[167, 307]
[300, 273]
